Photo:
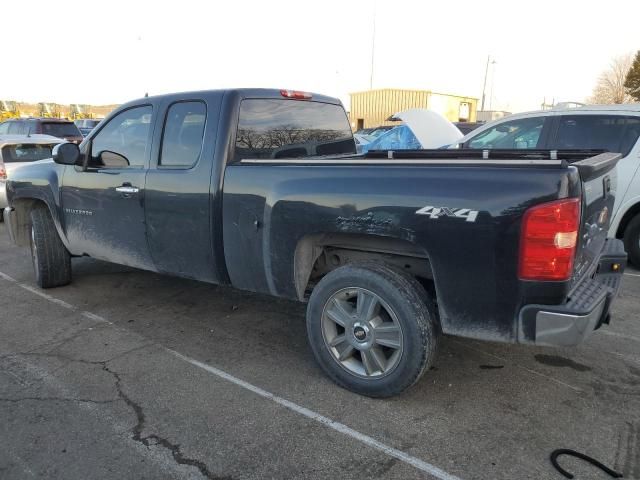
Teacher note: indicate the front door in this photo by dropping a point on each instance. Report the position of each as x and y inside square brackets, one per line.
[103, 203]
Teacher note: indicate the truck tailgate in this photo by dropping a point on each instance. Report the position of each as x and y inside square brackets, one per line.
[598, 175]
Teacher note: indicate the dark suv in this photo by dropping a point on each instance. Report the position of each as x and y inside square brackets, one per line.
[85, 125]
[55, 127]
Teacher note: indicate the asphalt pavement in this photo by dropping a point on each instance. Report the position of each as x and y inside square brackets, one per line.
[126, 374]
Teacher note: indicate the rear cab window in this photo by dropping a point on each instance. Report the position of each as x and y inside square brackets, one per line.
[274, 128]
[25, 153]
[60, 129]
[614, 133]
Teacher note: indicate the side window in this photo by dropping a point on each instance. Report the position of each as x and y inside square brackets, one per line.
[183, 134]
[613, 133]
[126, 135]
[517, 134]
[4, 127]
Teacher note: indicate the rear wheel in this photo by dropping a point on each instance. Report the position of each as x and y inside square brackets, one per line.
[51, 260]
[372, 328]
[632, 241]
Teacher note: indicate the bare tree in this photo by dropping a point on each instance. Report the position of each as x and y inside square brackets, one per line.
[610, 86]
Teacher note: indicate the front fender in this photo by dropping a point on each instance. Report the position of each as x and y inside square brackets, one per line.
[33, 184]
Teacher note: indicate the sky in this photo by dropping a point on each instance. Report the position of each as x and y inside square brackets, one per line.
[103, 52]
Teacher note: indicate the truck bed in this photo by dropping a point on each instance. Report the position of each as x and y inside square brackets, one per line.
[409, 203]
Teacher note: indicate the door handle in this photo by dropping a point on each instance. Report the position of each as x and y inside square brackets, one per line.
[128, 189]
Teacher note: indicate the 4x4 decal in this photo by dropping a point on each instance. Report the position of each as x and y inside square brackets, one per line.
[437, 212]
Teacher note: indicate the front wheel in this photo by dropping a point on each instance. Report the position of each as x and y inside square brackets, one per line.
[372, 328]
[51, 259]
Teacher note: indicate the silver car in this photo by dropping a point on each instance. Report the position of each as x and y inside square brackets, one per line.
[18, 150]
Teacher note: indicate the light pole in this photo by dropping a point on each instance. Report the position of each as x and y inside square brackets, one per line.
[493, 81]
[373, 44]
[484, 85]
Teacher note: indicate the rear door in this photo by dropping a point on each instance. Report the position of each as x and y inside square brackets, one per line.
[103, 205]
[180, 223]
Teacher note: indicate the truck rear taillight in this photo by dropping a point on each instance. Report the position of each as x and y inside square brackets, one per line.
[298, 95]
[549, 239]
[3, 173]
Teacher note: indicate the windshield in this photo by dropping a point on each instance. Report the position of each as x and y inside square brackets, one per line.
[60, 129]
[25, 153]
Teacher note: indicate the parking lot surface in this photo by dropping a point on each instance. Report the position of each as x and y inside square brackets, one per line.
[130, 374]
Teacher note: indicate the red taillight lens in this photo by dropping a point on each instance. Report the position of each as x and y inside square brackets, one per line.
[298, 95]
[3, 173]
[549, 239]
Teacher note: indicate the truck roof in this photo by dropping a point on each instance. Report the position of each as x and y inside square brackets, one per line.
[34, 139]
[243, 92]
[625, 107]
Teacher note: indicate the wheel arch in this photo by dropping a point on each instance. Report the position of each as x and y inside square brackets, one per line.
[22, 218]
[631, 212]
[318, 254]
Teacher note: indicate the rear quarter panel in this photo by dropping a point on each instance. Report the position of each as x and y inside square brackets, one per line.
[268, 209]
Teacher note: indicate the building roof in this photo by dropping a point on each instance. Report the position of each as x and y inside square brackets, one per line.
[413, 91]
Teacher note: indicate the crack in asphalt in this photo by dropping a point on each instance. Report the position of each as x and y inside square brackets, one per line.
[137, 431]
[153, 439]
[54, 344]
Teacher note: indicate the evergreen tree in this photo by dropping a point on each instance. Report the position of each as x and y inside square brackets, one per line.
[632, 82]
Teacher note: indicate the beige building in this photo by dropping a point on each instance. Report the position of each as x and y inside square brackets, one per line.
[373, 107]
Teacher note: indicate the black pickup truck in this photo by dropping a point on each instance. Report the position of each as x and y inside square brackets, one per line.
[262, 190]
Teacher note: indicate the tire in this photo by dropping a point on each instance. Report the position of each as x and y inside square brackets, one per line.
[632, 241]
[400, 336]
[51, 260]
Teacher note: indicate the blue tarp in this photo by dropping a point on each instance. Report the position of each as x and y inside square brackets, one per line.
[398, 138]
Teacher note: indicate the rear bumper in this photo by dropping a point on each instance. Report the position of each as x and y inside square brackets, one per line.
[586, 309]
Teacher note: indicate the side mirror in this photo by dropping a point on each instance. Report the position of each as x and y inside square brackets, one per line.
[112, 159]
[66, 154]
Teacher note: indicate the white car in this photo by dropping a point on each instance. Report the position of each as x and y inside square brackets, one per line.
[18, 150]
[615, 128]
